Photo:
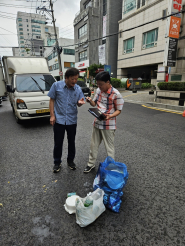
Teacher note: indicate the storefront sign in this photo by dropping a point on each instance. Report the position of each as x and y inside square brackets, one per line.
[176, 6]
[82, 65]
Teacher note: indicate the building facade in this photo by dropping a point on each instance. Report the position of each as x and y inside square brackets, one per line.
[92, 25]
[67, 56]
[33, 34]
[141, 49]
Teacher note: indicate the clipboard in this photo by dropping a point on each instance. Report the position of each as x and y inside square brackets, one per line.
[97, 113]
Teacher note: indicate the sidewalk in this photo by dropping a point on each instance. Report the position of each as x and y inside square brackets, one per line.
[143, 97]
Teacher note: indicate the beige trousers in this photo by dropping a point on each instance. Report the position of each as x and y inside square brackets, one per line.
[97, 136]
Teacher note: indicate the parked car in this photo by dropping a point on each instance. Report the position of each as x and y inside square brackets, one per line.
[86, 91]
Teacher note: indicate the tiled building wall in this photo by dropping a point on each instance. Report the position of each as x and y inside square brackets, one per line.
[142, 56]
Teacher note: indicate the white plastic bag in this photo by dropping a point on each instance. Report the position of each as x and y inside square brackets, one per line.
[87, 215]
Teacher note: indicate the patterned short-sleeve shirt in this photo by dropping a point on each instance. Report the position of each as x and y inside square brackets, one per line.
[108, 103]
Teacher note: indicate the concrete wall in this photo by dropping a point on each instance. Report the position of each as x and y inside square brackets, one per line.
[93, 16]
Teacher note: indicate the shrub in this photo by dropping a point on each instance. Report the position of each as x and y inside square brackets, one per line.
[81, 79]
[116, 83]
[146, 85]
[172, 86]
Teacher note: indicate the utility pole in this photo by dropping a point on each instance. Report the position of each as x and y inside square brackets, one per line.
[57, 44]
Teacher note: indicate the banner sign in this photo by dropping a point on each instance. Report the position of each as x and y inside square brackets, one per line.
[102, 54]
[174, 27]
[107, 68]
[104, 25]
[172, 52]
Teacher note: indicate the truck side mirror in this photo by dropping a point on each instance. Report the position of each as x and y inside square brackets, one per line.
[9, 88]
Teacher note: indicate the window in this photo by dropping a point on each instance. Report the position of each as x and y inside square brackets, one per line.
[27, 30]
[22, 42]
[22, 55]
[38, 21]
[46, 29]
[22, 46]
[140, 3]
[150, 39]
[35, 26]
[35, 30]
[104, 7]
[129, 5]
[83, 56]
[50, 41]
[19, 19]
[20, 24]
[103, 41]
[54, 54]
[20, 29]
[27, 25]
[21, 37]
[26, 83]
[128, 45]
[50, 57]
[55, 66]
[39, 37]
[26, 20]
[82, 31]
[89, 4]
[69, 52]
[21, 33]
[69, 64]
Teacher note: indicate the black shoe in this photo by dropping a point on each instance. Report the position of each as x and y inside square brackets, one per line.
[88, 169]
[71, 165]
[56, 168]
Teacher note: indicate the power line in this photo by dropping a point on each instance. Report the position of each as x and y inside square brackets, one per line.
[126, 30]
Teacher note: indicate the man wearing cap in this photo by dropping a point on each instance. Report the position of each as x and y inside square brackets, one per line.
[110, 102]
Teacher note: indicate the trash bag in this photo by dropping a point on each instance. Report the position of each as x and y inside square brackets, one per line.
[112, 176]
[88, 209]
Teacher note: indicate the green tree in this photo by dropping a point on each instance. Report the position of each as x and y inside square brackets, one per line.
[92, 69]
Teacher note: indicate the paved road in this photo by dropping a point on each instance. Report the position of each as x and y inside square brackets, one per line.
[151, 144]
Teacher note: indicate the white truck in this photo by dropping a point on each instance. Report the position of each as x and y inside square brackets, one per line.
[28, 82]
[2, 84]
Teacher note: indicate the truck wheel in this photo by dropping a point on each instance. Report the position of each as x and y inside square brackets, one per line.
[17, 119]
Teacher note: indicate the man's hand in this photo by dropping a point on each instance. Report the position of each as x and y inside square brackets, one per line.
[88, 99]
[52, 120]
[81, 102]
[108, 116]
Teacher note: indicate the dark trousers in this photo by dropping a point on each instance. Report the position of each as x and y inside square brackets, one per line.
[59, 133]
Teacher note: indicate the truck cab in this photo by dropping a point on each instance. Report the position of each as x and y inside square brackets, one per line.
[28, 83]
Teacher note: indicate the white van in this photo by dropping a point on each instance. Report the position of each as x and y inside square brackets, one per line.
[28, 82]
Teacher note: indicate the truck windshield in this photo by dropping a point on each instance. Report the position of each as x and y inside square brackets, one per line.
[24, 83]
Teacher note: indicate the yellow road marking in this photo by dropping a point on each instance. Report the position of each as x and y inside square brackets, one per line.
[164, 110]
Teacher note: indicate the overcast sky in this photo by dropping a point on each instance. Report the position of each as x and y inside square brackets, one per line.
[64, 12]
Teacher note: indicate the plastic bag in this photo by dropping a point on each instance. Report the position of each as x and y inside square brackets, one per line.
[112, 176]
[88, 209]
